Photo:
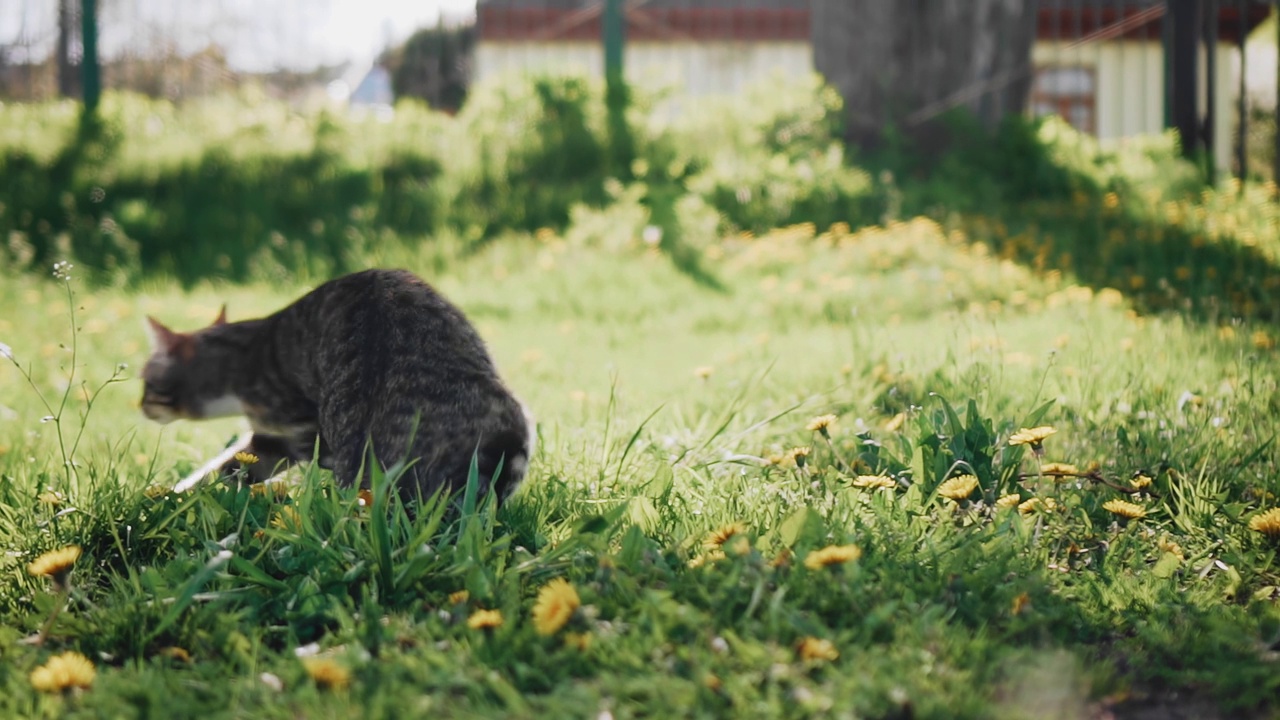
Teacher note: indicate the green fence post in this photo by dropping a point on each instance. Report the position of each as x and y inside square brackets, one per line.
[90, 72]
[613, 34]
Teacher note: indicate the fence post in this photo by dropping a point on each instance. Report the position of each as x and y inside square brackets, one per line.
[613, 31]
[90, 72]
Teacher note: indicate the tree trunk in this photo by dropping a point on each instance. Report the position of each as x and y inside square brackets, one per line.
[903, 63]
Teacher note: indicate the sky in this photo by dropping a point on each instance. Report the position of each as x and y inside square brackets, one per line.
[256, 34]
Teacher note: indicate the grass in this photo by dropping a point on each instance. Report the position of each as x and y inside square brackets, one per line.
[669, 406]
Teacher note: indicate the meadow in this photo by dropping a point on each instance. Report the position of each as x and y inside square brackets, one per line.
[781, 468]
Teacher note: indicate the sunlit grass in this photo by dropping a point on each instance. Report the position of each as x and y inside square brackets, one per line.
[669, 411]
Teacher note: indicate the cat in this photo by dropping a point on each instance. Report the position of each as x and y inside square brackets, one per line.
[372, 359]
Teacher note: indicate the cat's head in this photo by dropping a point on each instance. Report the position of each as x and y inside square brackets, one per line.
[182, 379]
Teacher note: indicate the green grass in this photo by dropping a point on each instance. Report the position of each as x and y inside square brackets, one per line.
[662, 396]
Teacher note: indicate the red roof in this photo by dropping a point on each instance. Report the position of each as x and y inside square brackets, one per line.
[757, 20]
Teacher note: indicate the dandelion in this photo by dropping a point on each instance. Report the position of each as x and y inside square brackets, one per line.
[1057, 468]
[578, 641]
[1267, 523]
[874, 482]
[707, 557]
[1140, 481]
[1037, 505]
[1020, 604]
[246, 458]
[459, 597]
[958, 488]
[1008, 502]
[154, 492]
[721, 535]
[1125, 509]
[286, 518]
[56, 564]
[798, 455]
[556, 604]
[782, 559]
[64, 672]
[173, 652]
[1168, 546]
[821, 424]
[832, 555]
[327, 672]
[485, 620]
[895, 423]
[812, 648]
[1031, 436]
[704, 372]
[277, 490]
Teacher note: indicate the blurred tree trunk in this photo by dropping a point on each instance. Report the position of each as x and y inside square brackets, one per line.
[903, 63]
[66, 28]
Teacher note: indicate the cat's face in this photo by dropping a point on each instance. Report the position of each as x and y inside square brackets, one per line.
[178, 382]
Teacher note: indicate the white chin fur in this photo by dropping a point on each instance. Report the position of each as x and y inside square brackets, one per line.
[226, 406]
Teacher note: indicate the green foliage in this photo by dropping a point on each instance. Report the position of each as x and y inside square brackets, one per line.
[432, 66]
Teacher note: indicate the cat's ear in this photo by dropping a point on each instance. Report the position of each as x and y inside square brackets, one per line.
[222, 316]
[162, 338]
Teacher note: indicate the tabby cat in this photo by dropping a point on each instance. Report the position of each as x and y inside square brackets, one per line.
[373, 358]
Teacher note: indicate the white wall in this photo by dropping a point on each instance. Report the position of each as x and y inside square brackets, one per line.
[704, 68]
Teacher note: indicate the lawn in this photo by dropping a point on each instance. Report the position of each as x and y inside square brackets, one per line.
[745, 474]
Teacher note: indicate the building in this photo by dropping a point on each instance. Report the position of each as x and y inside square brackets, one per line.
[1098, 63]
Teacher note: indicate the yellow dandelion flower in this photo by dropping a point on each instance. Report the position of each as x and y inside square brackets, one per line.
[246, 458]
[821, 424]
[173, 652]
[485, 620]
[739, 545]
[556, 604]
[1008, 502]
[276, 490]
[1125, 509]
[1171, 547]
[286, 518]
[782, 559]
[1020, 604]
[579, 641]
[154, 492]
[1262, 340]
[959, 487]
[459, 597]
[711, 682]
[798, 455]
[812, 648]
[1031, 436]
[874, 481]
[64, 672]
[1057, 468]
[704, 372]
[832, 555]
[327, 672]
[56, 563]
[1267, 523]
[775, 459]
[1140, 481]
[895, 423]
[708, 557]
[52, 498]
[721, 535]
[1037, 505]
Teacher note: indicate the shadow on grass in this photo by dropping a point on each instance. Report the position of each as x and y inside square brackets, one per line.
[1138, 220]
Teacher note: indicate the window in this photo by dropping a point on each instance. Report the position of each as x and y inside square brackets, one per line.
[1066, 91]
